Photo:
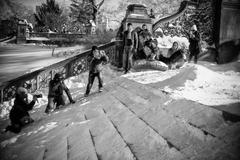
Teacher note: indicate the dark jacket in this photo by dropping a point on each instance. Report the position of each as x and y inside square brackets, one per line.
[96, 64]
[19, 110]
[194, 42]
[134, 39]
[56, 88]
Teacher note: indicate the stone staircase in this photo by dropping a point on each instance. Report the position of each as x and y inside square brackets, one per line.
[131, 121]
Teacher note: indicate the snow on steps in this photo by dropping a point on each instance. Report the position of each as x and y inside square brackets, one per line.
[129, 121]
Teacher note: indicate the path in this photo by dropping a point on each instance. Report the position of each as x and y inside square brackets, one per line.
[129, 121]
[16, 60]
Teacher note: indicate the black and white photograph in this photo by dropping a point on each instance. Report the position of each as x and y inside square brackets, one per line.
[119, 79]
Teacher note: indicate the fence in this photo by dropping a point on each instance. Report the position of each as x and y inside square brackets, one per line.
[56, 35]
[70, 67]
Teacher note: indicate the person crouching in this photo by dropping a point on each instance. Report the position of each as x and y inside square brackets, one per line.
[95, 59]
[55, 94]
[19, 115]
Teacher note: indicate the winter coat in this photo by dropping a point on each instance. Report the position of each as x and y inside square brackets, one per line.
[194, 43]
[19, 110]
[134, 39]
[96, 63]
[56, 88]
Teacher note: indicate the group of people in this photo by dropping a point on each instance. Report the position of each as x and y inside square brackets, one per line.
[19, 115]
[139, 44]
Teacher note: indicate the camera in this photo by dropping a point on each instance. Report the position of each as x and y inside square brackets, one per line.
[38, 95]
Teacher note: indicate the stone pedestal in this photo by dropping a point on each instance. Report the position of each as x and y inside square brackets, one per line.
[137, 15]
[230, 21]
[21, 32]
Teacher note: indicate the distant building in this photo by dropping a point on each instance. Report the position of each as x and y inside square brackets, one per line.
[102, 23]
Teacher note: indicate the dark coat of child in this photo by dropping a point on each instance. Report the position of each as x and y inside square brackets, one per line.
[55, 93]
[96, 60]
[19, 115]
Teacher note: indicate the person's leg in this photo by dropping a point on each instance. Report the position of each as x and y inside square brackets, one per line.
[60, 101]
[124, 58]
[130, 60]
[50, 105]
[15, 128]
[190, 57]
[196, 57]
[127, 59]
[91, 78]
[26, 120]
[100, 81]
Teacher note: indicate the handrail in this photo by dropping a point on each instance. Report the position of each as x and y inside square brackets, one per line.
[68, 68]
[183, 7]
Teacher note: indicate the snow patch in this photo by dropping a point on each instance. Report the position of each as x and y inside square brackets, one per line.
[167, 41]
[45, 128]
[73, 82]
[9, 141]
[85, 103]
[146, 77]
[78, 123]
[49, 126]
[209, 88]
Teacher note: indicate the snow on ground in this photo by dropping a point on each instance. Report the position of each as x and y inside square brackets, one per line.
[209, 87]
[146, 77]
[74, 82]
[167, 41]
[44, 128]
[9, 141]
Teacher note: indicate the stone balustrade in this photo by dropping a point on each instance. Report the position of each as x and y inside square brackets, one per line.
[68, 68]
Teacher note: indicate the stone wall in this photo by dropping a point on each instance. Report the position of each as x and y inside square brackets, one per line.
[230, 20]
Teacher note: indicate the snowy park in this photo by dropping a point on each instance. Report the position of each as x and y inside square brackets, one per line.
[119, 79]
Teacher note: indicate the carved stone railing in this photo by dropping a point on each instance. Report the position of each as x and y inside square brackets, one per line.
[175, 17]
[56, 35]
[70, 67]
[203, 13]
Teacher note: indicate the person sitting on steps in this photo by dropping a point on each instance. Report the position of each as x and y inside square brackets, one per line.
[55, 94]
[175, 56]
[95, 59]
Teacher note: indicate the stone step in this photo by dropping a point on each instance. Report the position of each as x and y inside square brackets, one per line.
[80, 145]
[142, 140]
[108, 143]
[204, 117]
[178, 133]
[186, 113]
[56, 149]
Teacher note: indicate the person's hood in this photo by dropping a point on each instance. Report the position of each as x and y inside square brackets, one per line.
[194, 28]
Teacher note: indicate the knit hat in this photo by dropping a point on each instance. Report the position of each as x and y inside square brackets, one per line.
[22, 91]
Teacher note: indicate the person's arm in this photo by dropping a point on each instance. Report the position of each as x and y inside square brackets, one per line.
[124, 37]
[90, 57]
[105, 58]
[30, 105]
[136, 40]
[67, 92]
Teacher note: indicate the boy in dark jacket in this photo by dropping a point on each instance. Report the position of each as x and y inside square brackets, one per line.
[55, 93]
[194, 43]
[19, 115]
[95, 59]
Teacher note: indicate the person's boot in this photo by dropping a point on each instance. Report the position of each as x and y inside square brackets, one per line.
[100, 89]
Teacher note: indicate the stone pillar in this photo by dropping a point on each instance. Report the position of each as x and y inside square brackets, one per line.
[21, 32]
[230, 20]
